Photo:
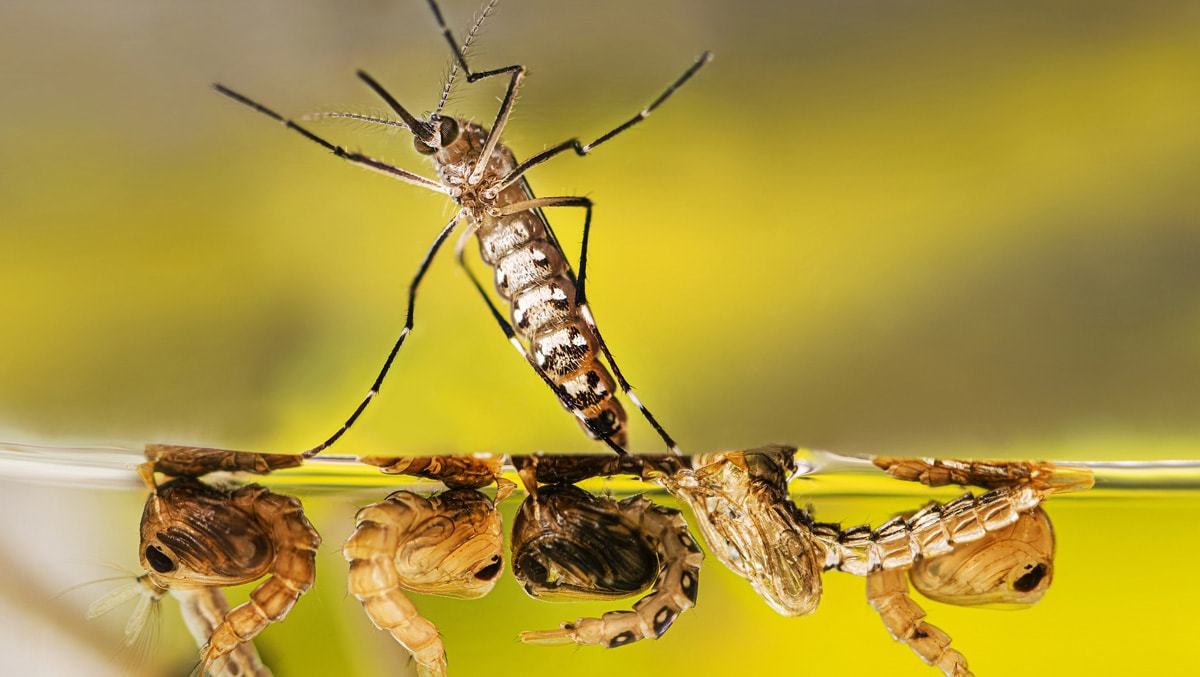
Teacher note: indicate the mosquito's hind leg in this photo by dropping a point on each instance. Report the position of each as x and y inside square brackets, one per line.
[387, 170]
[408, 325]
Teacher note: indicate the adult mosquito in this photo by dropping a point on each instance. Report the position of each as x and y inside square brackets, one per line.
[549, 320]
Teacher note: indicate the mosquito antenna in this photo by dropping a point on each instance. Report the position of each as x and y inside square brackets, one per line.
[355, 116]
[487, 10]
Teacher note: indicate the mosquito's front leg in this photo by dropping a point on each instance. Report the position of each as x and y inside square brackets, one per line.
[408, 326]
[583, 149]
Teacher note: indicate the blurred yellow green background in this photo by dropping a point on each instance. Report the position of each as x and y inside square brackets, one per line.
[904, 228]
[919, 228]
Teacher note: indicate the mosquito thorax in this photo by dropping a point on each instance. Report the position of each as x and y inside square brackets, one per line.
[461, 143]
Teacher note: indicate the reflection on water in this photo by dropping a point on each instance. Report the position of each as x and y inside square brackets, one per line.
[199, 536]
[586, 534]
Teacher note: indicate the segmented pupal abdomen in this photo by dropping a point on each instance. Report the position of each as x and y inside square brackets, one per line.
[936, 529]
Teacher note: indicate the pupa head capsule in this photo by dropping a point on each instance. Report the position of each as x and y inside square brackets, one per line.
[193, 536]
[1009, 567]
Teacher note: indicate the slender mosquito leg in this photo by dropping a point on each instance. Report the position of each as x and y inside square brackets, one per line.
[511, 335]
[510, 97]
[517, 72]
[581, 300]
[458, 52]
[408, 325]
[487, 10]
[583, 149]
[353, 158]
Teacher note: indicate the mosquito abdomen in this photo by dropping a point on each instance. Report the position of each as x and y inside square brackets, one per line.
[533, 277]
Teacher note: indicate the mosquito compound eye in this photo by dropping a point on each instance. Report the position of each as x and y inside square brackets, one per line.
[159, 561]
[422, 147]
[449, 130]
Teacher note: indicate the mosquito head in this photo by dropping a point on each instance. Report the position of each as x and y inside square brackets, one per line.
[429, 136]
[435, 135]
[193, 535]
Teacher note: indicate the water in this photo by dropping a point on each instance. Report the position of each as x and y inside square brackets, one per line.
[1116, 601]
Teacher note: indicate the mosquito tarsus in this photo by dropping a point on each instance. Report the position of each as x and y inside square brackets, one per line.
[552, 325]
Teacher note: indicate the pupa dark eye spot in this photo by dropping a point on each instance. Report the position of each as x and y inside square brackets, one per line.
[488, 572]
[1030, 580]
[158, 560]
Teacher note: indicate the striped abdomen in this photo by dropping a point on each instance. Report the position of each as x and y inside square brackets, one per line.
[534, 278]
[934, 530]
